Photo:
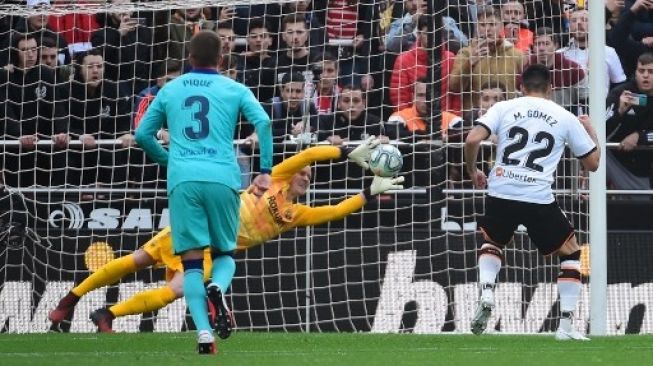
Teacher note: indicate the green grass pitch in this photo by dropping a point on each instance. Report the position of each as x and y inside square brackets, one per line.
[286, 349]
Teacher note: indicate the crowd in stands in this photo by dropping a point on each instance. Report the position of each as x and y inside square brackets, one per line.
[324, 70]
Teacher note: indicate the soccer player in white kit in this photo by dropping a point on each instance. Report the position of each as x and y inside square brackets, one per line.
[532, 132]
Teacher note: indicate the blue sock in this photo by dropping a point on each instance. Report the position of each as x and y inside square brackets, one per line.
[195, 295]
[224, 268]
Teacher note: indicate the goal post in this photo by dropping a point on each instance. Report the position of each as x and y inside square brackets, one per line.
[598, 197]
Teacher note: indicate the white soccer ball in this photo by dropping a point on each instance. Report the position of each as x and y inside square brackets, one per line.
[386, 161]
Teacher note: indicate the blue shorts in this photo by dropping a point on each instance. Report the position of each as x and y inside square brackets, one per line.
[204, 214]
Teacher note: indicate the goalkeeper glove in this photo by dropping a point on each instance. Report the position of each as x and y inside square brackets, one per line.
[381, 185]
[361, 154]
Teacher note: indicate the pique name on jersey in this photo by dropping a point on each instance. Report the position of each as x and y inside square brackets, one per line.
[534, 113]
[198, 82]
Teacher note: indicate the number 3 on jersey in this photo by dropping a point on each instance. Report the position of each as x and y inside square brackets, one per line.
[520, 135]
[199, 128]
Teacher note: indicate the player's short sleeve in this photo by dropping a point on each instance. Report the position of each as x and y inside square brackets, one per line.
[491, 119]
[580, 142]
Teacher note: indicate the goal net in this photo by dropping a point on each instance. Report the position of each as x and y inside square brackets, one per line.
[77, 78]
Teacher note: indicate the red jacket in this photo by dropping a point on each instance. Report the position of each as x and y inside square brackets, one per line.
[74, 27]
[410, 66]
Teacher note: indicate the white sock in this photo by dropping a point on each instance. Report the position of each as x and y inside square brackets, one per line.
[489, 265]
[569, 291]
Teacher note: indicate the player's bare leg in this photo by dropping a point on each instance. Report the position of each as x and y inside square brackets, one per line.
[569, 287]
[108, 274]
[489, 264]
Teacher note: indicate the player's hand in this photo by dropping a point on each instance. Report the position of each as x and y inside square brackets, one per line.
[361, 154]
[479, 179]
[381, 184]
[260, 185]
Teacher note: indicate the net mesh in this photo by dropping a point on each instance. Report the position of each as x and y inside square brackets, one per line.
[405, 263]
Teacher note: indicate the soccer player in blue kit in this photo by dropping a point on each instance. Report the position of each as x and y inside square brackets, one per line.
[201, 110]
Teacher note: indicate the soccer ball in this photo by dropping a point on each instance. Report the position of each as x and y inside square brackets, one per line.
[386, 161]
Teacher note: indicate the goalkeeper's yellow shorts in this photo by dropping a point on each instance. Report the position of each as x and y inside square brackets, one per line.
[160, 249]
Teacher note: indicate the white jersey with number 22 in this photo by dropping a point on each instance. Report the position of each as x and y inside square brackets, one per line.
[532, 133]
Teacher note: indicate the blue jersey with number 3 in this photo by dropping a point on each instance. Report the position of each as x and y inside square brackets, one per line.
[201, 110]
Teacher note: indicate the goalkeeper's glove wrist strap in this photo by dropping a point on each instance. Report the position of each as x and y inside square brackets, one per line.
[367, 192]
[345, 151]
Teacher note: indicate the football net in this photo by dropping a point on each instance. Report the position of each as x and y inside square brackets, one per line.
[405, 263]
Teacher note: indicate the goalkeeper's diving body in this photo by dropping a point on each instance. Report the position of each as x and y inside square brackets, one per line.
[261, 219]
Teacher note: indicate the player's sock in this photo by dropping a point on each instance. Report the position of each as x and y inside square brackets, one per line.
[108, 274]
[195, 293]
[223, 271]
[569, 287]
[489, 265]
[144, 301]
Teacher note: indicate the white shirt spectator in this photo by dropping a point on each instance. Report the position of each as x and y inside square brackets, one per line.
[579, 55]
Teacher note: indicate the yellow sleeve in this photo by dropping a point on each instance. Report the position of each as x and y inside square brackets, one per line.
[309, 216]
[459, 77]
[287, 168]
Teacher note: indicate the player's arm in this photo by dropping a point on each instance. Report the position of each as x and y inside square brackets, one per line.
[148, 127]
[309, 216]
[472, 145]
[360, 155]
[287, 168]
[590, 160]
[256, 115]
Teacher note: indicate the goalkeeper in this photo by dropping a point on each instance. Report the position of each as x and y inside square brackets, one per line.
[261, 219]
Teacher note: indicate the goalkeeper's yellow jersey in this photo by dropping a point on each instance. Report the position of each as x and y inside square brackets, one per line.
[264, 218]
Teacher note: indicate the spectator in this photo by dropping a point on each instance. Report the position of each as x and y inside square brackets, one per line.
[296, 57]
[317, 39]
[258, 65]
[515, 25]
[546, 13]
[30, 110]
[355, 21]
[642, 27]
[229, 66]
[38, 24]
[127, 48]
[489, 94]
[621, 39]
[570, 86]
[182, 25]
[143, 100]
[630, 122]
[351, 121]
[287, 112]
[578, 52]
[489, 59]
[50, 58]
[99, 109]
[327, 88]
[412, 65]
[412, 119]
[402, 34]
